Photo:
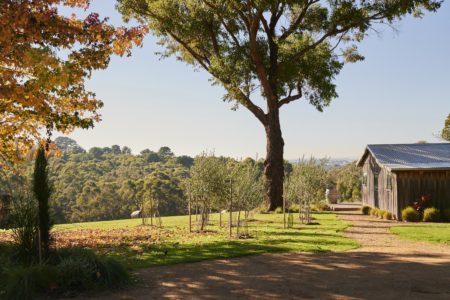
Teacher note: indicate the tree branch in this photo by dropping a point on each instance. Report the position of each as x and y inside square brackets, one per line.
[333, 32]
[203, 61]
[214, 40]
[297, 21]
[222, 21]
[289, 99]
[256, 58]
[246, 102]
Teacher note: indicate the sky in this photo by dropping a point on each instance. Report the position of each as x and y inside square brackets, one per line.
[400, 93]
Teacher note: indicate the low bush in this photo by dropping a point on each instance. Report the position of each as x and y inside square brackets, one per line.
[25, 282]
[320, 206]
[294, 208]
[374, 212]
[24, 224]
[431, 214]
[380, 213]
[365, 210]
[68, 271]
[262, 209]
[409, 214]
[278, 210]
[387, 215]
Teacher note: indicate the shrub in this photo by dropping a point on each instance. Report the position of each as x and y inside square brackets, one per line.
[387, 215]
[76, 273]
[294, 208]
[262, 209]
[112, 273]
[446, 215]
[365, 210]
[374, 212]
[409, 214]
[320, 206]
[431, 214]
[380, 213]
[81, 269]
[278, 210]
[72, 270]
[24, 224]
[25, 282]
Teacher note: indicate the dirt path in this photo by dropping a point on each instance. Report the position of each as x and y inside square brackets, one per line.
[385, 267]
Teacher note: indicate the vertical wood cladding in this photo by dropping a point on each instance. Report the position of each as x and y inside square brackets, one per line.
[406, 187]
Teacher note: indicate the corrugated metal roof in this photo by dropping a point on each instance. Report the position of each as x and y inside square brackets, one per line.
[410, 156]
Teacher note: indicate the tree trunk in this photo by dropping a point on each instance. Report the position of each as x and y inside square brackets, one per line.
[274, 164]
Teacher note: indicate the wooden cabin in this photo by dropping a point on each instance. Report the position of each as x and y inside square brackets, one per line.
[397, 175]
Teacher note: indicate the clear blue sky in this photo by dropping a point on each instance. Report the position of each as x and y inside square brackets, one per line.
[399, 94]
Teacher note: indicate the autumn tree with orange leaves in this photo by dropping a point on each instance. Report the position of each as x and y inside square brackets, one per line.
[45, 60]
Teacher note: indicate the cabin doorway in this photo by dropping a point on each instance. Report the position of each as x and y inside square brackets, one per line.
[375, 189]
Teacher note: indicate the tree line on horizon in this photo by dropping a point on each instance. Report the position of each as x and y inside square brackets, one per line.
[107, 183]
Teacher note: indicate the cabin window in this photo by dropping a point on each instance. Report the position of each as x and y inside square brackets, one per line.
[364, 179]
[389, 182]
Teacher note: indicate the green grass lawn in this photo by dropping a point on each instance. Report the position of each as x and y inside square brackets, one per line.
[431, 232]
[174, 244]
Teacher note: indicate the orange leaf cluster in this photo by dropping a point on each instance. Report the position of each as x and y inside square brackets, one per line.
[45, 60]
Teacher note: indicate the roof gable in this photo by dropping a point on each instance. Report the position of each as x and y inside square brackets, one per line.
[410, 156]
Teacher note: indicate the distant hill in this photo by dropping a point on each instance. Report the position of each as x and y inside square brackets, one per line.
[332, 162]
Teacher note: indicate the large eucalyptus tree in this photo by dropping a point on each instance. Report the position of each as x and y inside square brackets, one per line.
[284, 49]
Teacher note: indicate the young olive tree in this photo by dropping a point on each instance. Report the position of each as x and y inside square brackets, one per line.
[247, 188]
[307, 184]
[278, 50]
[207, 185]
[152, 195]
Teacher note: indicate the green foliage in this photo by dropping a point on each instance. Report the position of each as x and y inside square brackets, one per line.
[247, 184]
[294, 208]
[26, 282]
[68, 270]
[68, 145]
[320, 206]
[365, 210]
[212, 179]
[380, 213]
[387, 215]
[41, 189]
[445, 134]
[431, 214]
[25, 224]
[103, 184]
[307, 182]
[81, 269]
[278, 210]
[293, 42]
[261, 209]
[409, 214]
[348, 180]
[374, 211]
